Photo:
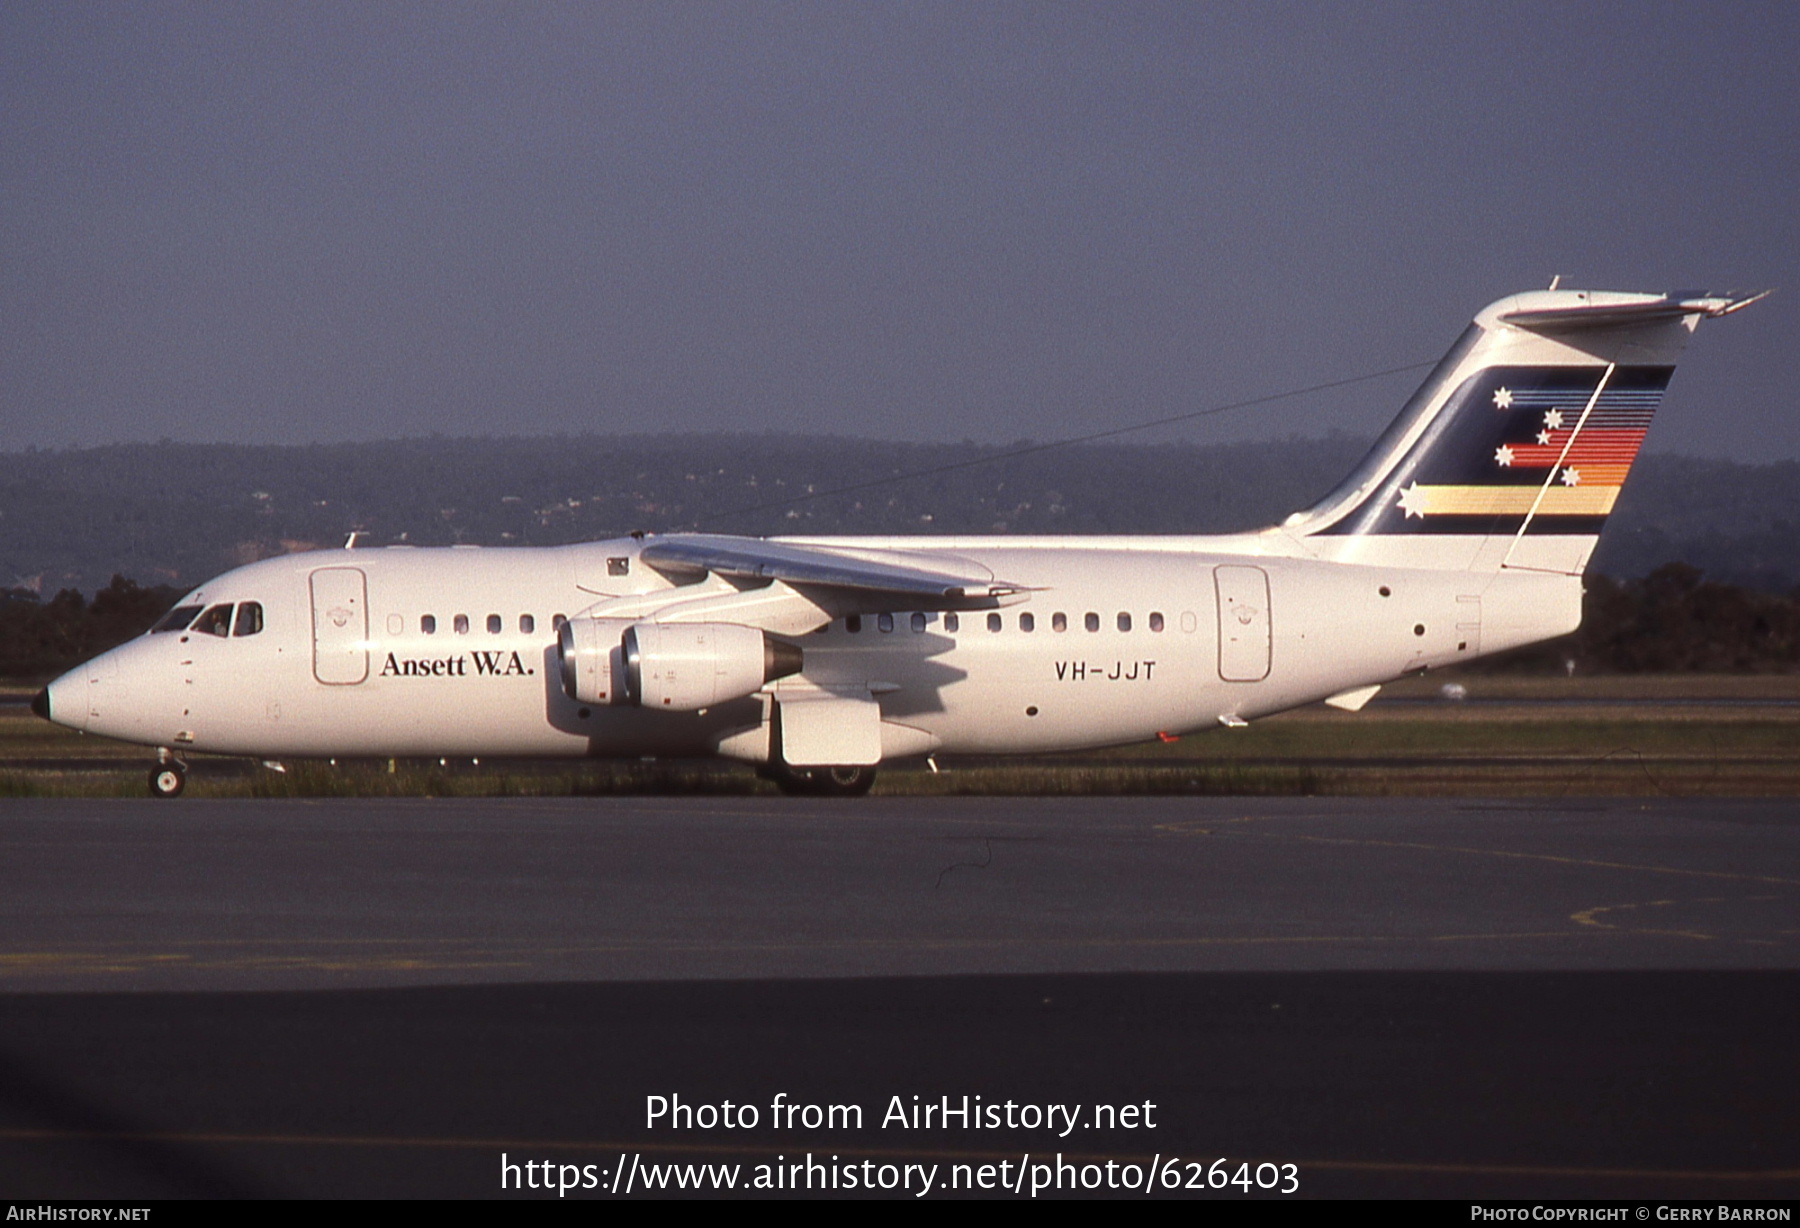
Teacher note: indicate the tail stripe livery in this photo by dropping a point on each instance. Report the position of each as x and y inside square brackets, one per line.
[1514, 443]
[1571, 477]
[1529, 427]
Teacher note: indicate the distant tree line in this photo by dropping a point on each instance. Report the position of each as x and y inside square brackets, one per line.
[40, 639]
[1672, 621]
[179, 514]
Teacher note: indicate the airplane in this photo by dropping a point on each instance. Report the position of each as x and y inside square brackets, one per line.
[1464, 532]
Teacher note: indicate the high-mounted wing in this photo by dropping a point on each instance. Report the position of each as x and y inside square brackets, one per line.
[791, 589]
[921, 583]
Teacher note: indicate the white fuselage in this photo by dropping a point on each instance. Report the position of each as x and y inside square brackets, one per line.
[1128, 638]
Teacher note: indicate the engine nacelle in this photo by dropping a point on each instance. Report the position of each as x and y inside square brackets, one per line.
[681, 667]
[593, 659]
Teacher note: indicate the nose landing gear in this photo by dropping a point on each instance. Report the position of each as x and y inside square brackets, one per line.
[169, 777]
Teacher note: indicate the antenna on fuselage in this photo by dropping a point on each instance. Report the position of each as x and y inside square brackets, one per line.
[350, 542]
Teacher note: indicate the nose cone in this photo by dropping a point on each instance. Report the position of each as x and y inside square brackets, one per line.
[65, 701]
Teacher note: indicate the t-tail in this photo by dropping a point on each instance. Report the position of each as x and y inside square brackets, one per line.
[1512, 453]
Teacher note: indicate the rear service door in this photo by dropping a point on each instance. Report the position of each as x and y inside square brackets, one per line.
[340, 615]
[1243, 623]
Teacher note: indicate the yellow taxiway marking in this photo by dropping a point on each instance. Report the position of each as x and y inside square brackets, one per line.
[1591, 916]
[1186, 829]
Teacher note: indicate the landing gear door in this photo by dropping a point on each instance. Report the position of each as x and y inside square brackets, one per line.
[340, 617]
[822, 728]
[1243, 623]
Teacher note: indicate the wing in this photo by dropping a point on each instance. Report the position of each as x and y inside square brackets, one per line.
[941, 581]
[791, 589]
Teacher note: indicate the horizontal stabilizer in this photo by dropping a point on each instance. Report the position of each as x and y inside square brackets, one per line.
[1599, 309]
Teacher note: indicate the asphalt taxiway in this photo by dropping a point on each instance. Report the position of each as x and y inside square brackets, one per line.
[1399, 996]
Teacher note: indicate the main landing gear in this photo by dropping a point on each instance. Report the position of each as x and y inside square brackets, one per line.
[850, 780]
[169, 777]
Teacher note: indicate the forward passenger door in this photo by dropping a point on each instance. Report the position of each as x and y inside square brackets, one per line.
[340, 618]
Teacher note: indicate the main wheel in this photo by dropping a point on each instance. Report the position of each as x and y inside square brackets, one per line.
[850, 780]
[167, 780]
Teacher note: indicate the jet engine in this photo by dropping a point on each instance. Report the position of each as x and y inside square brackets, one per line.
[685, 666]
[676, 666]
[593, 659]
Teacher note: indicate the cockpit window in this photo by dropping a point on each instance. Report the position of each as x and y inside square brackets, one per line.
[249, 618]
[177, 619]
[216, 621]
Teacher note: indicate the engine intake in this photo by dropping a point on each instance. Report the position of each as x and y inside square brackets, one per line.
[593, 659]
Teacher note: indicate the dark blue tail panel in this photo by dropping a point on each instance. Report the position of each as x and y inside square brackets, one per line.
[1511, 444]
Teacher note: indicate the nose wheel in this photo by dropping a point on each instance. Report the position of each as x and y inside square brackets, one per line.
[168, 779]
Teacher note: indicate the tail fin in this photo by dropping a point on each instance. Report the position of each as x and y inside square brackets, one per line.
[1513, 451]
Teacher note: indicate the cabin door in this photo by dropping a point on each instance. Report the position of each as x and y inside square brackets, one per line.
[340, 617]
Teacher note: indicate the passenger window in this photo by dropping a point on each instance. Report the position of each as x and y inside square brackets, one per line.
[993, 622]
[885, 622]
[495, 623]
[1059, 621]
[557, 621]
[1092, 621]
[395, 623]
[1027, 622]
[918, 622]
[428, 624]
[249, 618]
[527, 624]
[177, 619]
[1189, 623]
[1156, 621]
[461, 623]
[853, 624]
[1124, 621]
[216, 621]
[952, 623]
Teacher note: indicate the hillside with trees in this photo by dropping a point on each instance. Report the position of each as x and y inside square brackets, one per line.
[177, 514]
[135, 525]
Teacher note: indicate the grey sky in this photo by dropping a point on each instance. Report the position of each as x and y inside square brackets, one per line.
[293, 222]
